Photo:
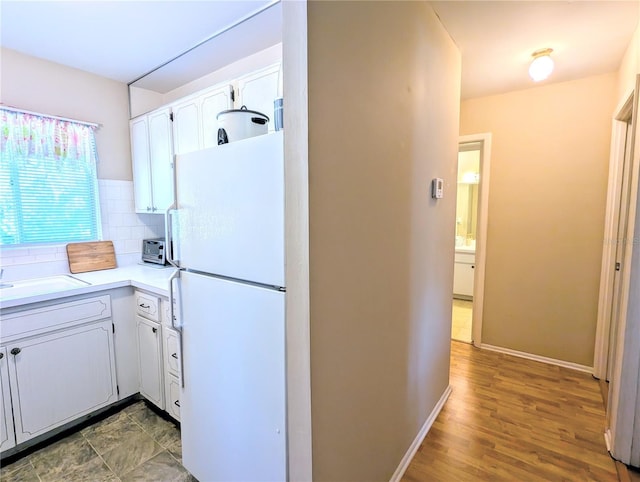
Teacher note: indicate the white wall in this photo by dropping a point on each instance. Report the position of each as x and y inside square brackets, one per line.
[49, 88]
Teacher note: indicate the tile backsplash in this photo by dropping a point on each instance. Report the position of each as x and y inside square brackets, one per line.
[120, 224]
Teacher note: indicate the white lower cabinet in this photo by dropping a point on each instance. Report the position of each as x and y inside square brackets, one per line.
[57, 365]
[149, 335]
[7, 435]
[463, 275]
[172, 370]
[59, 377]
[173, 396]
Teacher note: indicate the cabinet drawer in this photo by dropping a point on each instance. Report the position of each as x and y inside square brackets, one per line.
[173, 397]
[166, 313]
[172, 352]
[148, 306]
[20, 324]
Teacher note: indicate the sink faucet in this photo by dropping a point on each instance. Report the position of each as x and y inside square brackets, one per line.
[4, 285]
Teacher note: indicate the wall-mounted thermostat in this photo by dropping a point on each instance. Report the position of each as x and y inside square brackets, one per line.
[437, 188]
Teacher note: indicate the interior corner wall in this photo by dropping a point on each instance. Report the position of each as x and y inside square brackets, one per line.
[46, 87]
[549, 170]
[629, 68]
[384, 90]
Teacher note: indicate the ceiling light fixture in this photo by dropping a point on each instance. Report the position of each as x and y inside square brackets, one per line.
[542, 65]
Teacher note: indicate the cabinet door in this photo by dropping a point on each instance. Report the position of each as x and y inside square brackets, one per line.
[258, 91]
[463, 279]
[173, 397]
[186, 126]
[139, 130]
[7, 435]
[211, 104]
[150, 360]
[161, 158]
[171, 351]
[59, 377]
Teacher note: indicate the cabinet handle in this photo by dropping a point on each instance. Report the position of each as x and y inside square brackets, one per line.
[177, 403]
[142, 305]
[15, 351]
[154, 209]
[1, 356]
[473, 266]
[148, 208]
[155, 330]
[174, 355]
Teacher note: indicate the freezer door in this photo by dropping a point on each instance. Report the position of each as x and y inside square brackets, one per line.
[232, 405]
[230, 210]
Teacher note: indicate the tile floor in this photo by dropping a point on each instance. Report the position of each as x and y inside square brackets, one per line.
[134, 444]
[461, 320]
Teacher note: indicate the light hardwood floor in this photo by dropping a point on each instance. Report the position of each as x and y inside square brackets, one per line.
[511, 419]
[461, 320]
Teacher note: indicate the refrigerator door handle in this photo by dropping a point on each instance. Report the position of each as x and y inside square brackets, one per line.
[175, 275]
[178, 328]
[169, 235]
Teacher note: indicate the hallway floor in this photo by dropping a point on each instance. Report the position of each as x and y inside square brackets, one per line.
[461, 320]
[514, 419]
[134, 444]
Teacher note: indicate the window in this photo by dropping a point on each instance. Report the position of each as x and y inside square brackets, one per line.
[48, 182]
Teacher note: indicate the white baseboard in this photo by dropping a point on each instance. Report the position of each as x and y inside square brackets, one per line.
[415, 445]
[538, 358]
[607, 439]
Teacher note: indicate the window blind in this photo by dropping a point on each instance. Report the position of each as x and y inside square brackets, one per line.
[48, 182]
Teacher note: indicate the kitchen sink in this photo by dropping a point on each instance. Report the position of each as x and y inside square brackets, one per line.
[39, 286]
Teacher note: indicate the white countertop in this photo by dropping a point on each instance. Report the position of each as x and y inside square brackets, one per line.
[466, 249]
[144, 277]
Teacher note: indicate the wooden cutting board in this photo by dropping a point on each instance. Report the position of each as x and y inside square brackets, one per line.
[93, 256]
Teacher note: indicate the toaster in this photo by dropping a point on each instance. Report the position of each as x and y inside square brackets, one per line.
[153, 251]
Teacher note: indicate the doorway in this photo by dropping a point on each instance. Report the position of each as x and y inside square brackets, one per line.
[471, 227]
[616, 232]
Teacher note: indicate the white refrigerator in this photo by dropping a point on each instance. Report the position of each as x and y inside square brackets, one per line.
[228, 242]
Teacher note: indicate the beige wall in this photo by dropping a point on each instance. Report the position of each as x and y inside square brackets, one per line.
[384, 86]
[549, 168]
[49, 88]
[629, 68]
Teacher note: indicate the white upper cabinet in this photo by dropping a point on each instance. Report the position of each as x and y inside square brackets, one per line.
[186, 126]
[152, 158]
[195, 125]
[211, 104]
[258, 90]
[161, 152]
[141, 167]
[190, 124]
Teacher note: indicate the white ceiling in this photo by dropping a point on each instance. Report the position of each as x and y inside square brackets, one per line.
[124, 39]
[117, 39]
[496, 39]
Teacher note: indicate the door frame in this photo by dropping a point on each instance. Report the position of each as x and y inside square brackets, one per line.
[612, 217]
[481, 232]
[623, 393]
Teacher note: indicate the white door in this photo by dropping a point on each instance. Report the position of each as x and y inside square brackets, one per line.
[59, 377]
[232, 406]
[150, 360]
[7, 435]
[231, 210]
